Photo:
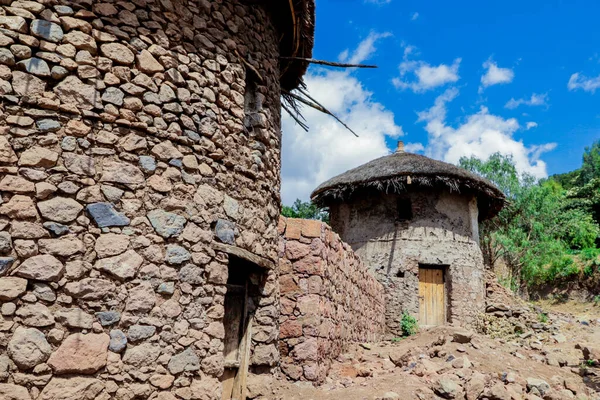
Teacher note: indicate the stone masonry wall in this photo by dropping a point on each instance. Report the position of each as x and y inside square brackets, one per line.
[443, 231]
[132, 137]
[328, 299]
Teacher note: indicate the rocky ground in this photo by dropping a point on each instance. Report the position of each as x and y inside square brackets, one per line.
[517, 351]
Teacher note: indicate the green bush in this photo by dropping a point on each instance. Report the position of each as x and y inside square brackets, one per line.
[561, 268]
[409, 324]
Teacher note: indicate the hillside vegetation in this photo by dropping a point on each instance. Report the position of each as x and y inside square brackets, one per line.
[549, 230]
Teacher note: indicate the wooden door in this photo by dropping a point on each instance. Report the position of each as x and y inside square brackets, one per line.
[238, 333]
[432, 297]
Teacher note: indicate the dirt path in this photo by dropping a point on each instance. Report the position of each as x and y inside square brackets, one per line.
[431, 365]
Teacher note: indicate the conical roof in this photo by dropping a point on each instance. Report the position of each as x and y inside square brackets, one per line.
[400, 171]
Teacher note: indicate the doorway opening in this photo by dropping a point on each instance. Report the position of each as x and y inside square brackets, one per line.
[237, 321]
[432, 295]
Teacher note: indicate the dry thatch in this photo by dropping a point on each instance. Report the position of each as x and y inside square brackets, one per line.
[397, 172]
[296, 21]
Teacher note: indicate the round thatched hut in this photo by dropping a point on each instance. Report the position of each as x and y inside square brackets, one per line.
[139, 182]
[414, 222]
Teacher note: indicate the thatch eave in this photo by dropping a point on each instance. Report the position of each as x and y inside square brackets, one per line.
[401, 172]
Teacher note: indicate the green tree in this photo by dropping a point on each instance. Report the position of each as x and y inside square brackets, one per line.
[305, 210]
[590, 167]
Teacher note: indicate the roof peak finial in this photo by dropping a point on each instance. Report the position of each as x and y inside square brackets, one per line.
[400, 148]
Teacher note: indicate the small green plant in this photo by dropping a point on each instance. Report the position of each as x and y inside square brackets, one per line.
[397, 339]
[543, 317]
[408, 324]
[590, 363]
[596, 300]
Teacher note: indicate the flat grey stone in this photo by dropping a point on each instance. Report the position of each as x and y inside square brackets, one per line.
[5, 263]
[225, 231]
[7, 57]
[167, 288]
[48, 125]
[105, 215]
[140, 332]
[63, 10]
[69, 143]
[192, 135]
[148, 163]
[47, 30]
[176, 163]
[118, 341]
[166, 224]
[187, 360]
[43, 291]
[176, 254]
[114, 96]
[56, 229]
[35, 66]
[107, 318]
[5, 242]
[58, 72]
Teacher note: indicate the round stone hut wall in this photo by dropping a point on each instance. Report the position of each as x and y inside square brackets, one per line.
[396, 234]
[133, 136]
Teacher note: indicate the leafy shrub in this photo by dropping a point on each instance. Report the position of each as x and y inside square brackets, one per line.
[408, 324]
[543, 317]
[561, 268]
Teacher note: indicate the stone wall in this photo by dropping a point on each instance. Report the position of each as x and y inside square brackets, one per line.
[133, 137]
[442, 230]
[328, 299]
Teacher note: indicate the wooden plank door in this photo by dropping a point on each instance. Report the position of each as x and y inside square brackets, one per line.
[432, 304]
[235, 345]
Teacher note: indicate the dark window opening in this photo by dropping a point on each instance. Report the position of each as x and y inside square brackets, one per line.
[404, 209]
[252, 101]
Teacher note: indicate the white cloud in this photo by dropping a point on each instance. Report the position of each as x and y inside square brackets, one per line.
[531, 125]
[365, 49]
[495, 75]
[481, 135]
[535, 100]
[328, 149]
[426, 76]
[584, 83]
[414, 147]
[414, 16]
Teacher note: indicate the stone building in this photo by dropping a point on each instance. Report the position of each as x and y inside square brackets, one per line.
[414, 222]
[139, 181]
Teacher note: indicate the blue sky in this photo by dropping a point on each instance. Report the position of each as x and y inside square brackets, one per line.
[454, 79]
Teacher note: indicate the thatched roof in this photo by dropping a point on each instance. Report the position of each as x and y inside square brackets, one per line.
[400, 171]
[296, 21]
